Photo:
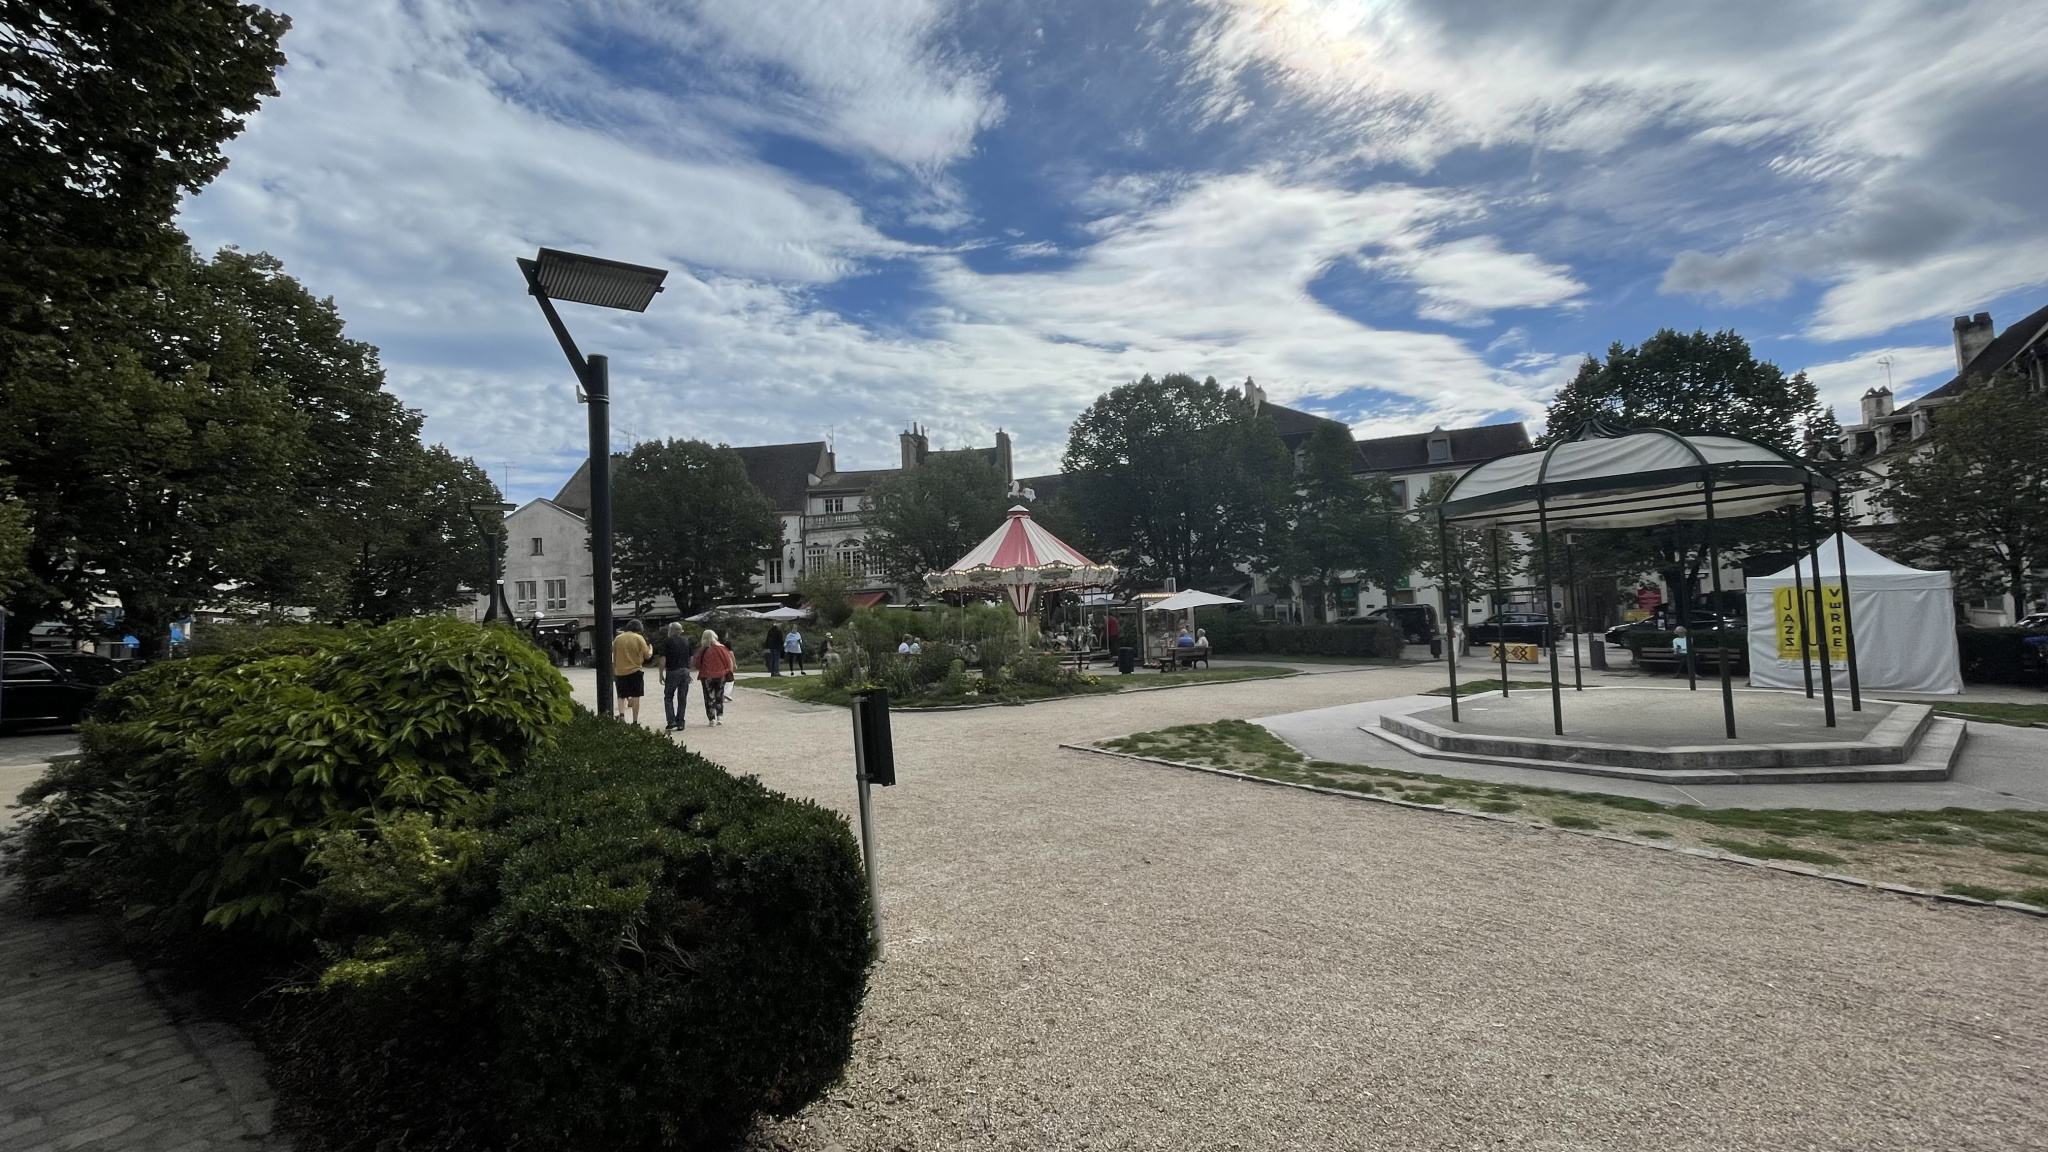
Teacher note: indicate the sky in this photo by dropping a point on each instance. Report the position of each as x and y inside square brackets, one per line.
[983, 215]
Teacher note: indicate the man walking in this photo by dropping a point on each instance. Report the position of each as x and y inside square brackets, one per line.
[773, 646]
[672, 658]
[629, 652]
[793, 649]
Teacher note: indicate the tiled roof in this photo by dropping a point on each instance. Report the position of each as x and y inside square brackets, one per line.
[854, 481]
[1043, 487]
[2002, 351]
[575, 495]
[1468, 446]
[784, 471]
[1294, 425]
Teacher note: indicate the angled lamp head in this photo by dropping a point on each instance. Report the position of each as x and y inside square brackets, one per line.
[592, 280]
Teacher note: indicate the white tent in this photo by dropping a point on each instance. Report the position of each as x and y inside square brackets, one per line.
[1904, 619]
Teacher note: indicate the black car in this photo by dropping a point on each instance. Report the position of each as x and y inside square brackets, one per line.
[1511, 628]
[1697, 622]
[1417, 622]
[42, 688]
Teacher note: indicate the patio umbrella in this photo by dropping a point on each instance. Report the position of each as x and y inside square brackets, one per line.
[1020, 559]
[785, 614]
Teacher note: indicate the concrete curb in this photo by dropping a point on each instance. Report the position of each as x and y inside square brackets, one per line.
[1287, 675]
[1498, 818]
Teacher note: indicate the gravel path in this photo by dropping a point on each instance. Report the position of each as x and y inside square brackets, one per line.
[1095, 953]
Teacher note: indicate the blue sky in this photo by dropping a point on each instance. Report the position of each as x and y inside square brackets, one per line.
[983, 215]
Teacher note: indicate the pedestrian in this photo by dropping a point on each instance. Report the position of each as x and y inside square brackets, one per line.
[1109, 631]
[793, 649]
[713, 664]
[826, 656]
[672, 657]
[630, 651]
[772, 649]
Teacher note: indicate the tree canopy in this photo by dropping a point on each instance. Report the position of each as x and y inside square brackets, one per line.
[1341, 522]
[1690, 383]
[689, 524]
[1973, 497]
[1177, 478]
[924, 518]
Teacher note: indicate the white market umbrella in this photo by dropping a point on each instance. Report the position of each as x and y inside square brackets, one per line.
[785, 614]
[1192, 598]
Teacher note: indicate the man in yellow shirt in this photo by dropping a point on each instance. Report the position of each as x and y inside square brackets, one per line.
[629, 651]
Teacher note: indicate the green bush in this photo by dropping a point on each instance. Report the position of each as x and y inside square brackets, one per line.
[639, 951]
[205, 783]
[1994, 656]
[1240, 633]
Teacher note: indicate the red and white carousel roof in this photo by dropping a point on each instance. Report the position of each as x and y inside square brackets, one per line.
[1020, 553]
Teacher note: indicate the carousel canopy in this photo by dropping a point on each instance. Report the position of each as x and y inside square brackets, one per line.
[1610, 478]
[1017, 559]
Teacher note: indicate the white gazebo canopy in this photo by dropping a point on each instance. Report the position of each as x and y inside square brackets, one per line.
[1607, 478]
[1904, 620]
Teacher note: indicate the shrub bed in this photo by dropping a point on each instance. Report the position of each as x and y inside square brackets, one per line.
[1240, 633]
[463, 920]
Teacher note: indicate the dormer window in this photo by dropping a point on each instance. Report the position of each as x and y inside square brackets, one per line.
[1439, 447]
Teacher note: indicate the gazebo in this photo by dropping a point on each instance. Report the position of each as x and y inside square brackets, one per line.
[1605, 477]
[1019, 560]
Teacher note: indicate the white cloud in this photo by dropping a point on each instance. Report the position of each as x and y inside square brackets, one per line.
[1463, 280]
[1876, 299]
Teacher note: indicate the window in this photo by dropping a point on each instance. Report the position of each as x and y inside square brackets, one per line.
[814, 556]
[1439, 449]
[835, 504]
[539, 546]
[523, 598]
[853, 556]
[558, 595]
[1400, 488]
[775, 570]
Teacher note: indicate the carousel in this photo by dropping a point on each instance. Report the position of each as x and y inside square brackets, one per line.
[1018, 561]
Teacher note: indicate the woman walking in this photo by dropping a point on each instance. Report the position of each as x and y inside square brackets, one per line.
[713, 663]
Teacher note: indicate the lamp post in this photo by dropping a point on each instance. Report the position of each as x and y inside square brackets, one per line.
[550, 276]
[494, 531]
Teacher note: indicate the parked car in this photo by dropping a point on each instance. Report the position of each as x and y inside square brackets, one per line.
[1417, 622]
[1619, 635]
[1511, 628]
[36, 690]
[90, 667]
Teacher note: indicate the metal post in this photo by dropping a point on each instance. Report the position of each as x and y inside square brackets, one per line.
[1848, 617]
[1799, 596]
[1549, 621]
[1500, 635]
[867, 828]
[1720, 626]
[1571, 574]
[1453, 637]
[1820, 609]
[597, 389]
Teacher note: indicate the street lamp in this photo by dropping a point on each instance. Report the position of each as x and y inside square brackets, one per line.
[579, 279]
[494, 531]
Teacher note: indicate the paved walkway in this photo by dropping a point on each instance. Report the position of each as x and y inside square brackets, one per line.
[1088, 952]
[91, 1058]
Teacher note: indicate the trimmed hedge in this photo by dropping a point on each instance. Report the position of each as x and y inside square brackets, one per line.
[1239, 633]
[1994, 656]
[640, 951]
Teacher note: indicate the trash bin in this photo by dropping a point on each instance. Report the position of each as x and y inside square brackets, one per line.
[1436, 649]
[1126, 660]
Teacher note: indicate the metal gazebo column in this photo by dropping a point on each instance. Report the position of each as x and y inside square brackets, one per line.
[1452, 639]
[1820, 609]
[1848, 618]
[1550, 622]
[1721, 625]
[1799, 597]
[1500, 627]
[1571, 575]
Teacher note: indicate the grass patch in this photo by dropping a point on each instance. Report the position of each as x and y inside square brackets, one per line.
[1774, 850]
[1202, 676]
[1926, 849]
[2023, 715]
[1481, 687]
[1360, 661]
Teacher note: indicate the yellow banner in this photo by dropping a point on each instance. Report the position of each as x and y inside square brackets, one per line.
[1517, 653]
[1826, 616]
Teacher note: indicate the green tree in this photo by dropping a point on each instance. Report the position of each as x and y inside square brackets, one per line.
[689, 524]
[1471, 551]
[417, 549]
[1973, 497]
[827, 586]
[14, 540]
[1178, 478]
[1342, 522]
[924, 518]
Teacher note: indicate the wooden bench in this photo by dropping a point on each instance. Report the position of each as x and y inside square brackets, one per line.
[1703, 658]
[1177, 658]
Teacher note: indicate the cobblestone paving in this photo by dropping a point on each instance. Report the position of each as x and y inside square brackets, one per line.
[91, 1058]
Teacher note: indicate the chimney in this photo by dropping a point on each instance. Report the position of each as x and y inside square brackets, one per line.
[1254, 395]
[915, 446]
[1877, 403]
[1003, 456]
[1973, 335]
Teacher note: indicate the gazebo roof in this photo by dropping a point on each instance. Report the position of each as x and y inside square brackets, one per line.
[1611, 478]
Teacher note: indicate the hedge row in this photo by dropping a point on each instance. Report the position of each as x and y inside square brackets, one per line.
[1240, 633]
[493, 926]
